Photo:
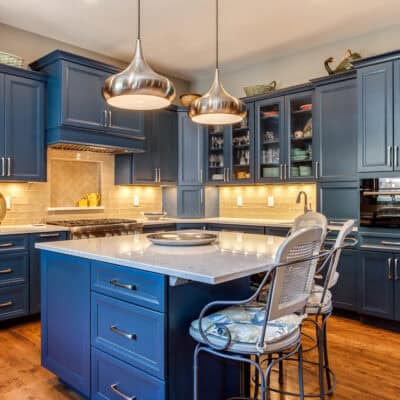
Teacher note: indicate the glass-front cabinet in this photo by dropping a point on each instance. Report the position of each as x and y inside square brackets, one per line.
[230, 152]
[299, 165]
[284, 142]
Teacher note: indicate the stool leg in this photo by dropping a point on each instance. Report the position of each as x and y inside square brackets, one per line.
[301, 376]
[195, 373]
[280, 370]
[257, 379]
[326, 357]
[321, 363]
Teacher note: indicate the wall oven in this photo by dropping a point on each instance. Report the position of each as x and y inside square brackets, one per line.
[380, 202]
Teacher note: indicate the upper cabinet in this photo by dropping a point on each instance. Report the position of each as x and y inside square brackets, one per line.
[22, 112]
[159, 163]
[335, 128]
[77, 112]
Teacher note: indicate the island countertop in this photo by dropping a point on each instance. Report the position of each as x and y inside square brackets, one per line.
[234, 255]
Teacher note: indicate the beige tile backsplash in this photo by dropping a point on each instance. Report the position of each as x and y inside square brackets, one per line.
[70, 180]
[255, 201]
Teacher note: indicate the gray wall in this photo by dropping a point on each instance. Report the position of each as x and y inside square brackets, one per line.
[31, 46]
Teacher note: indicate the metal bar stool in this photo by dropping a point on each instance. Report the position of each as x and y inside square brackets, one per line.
[249, 329]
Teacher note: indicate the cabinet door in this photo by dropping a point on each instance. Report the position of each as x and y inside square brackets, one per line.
[34, 267]
[190, 151]
[346, 291]
[377, 284]
[123, 165]
[190, 201]
[82, 103]
[396, 278]
[270, 141]
[242, 149]
[24, 129]
[396, 114]
[66, 296]
[299, 134]
[125, 122]
[335, 131]
[375, 98]
[165, 133]
[2, 109]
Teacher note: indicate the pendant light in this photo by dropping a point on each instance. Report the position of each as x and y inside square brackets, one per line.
[217, 106]
[138, 87]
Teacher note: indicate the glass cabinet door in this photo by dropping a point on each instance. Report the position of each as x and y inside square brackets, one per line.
[270, 140]
[241, 158]
[300, 133]
[216, 155]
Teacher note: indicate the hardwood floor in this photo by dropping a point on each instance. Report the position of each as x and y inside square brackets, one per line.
[366, 361]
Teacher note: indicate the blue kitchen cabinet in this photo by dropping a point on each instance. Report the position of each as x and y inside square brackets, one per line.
[34, 266]
[377, 289]
[22, 113]
[14, 302]
[159, 162]
[335, 128]
[396, 282]
[375, 113]
[190, 152]
[66, 298]
[396, 115]
[77, 113]
[190, 201]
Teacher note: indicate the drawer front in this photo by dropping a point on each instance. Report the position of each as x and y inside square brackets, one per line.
[380, 243]
[276, 231]
[113, 379]
[47, 237]
[143, 288]
[11, 243]
[131, 333]
[13, 302]
[13, 269]
[236, 228]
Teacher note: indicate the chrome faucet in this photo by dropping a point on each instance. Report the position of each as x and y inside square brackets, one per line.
[298, 200]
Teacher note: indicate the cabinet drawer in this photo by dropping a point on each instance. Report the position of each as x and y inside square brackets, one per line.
[131, 333]
[13, 269]
[144, 288]
[13, 243]
[388, 243]
[47, 237]
[13, 302]
[236, 228]
[115, 380]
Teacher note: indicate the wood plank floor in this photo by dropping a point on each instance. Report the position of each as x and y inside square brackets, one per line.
[365, 359]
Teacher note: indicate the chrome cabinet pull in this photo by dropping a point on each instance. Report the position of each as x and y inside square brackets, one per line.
[224, 174]
[396, 269]
[114, 388]
[201, 175]
[156, 175]
[49, 235]
[9, 244]
[396, 155]
[8, 166]
[281, 172]
[114, 282]
[6, 304]
[389, 264]
[3, 166]
[105, 118]
[201, 196]
[130, 336]
[285, 172]
[388, 243]
[316, 169]
[6, 271]
[109, 118]
[227, 174]
[159, 175]
[389, 156]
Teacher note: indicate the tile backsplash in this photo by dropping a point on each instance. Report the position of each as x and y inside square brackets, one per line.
[255, 201]
[30, 201]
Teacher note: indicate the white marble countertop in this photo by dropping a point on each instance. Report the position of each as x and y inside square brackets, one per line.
[32, 228]
[233, 256]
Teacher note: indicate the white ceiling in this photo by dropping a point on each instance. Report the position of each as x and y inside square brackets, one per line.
[178, 35]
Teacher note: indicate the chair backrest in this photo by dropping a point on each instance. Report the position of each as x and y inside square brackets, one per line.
[346, 229]
[292, 283]
[311, 219]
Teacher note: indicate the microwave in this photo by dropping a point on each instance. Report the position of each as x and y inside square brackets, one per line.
[380, 202]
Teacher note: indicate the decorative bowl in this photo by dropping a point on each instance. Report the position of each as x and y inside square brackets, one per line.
[259, 89]
[11, 59]
[182, 238]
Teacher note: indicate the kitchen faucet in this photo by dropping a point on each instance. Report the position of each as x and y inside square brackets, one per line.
[298, 200]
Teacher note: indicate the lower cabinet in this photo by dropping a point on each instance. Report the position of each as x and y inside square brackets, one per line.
[380, 284]
[14, 302]
[190, 201]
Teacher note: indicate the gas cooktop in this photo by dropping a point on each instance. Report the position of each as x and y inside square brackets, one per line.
[92, 222]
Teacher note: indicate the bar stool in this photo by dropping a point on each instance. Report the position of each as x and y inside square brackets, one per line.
[248, 329]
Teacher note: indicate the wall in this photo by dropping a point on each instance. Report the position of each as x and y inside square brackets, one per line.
[298, 68]
[31, 46]
[255, 201]
[31, 200]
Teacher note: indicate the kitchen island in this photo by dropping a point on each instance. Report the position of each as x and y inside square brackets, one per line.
[116, 312]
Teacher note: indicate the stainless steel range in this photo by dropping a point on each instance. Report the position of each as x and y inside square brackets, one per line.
[89, 228]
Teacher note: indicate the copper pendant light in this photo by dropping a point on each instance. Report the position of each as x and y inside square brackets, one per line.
[217, 106]
[138, 87]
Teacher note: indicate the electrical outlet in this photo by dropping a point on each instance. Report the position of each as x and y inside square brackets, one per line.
[271, 201]
[239, 201]
[8, 202]
[136, 201]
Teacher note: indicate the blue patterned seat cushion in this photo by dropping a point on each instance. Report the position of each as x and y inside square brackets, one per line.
[245, 324]
[314, 301]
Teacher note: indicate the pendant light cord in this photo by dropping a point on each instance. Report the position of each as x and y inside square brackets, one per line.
[138, 26]
[216, 34]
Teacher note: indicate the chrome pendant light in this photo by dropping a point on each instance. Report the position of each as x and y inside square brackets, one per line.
[217, 106]
[138, 87]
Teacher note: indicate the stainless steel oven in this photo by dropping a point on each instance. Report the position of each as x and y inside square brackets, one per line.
[380, 202]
